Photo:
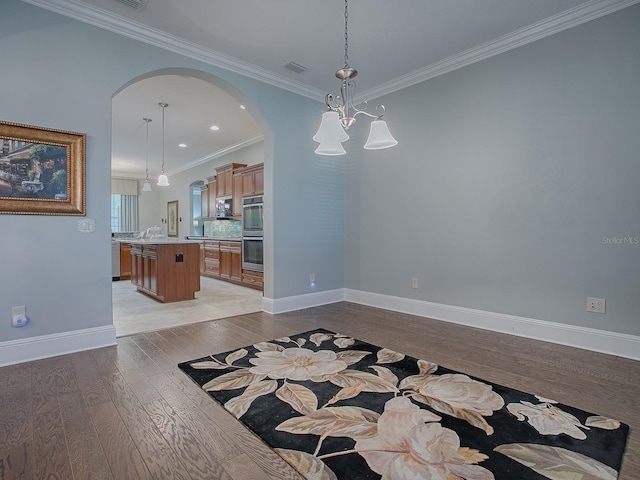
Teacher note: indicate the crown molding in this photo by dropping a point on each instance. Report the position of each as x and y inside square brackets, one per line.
[218, 153]
[212, 156]
[549, 26]
[113, 23]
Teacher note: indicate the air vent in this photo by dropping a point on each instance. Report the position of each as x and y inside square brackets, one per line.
[295, 67]
[137, 4]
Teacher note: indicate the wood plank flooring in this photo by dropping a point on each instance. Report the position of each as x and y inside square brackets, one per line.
[127, 412]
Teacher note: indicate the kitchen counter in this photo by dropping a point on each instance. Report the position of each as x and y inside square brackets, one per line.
[157, 241]
[219, 238]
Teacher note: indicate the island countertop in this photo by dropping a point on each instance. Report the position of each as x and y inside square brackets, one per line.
[157, 241]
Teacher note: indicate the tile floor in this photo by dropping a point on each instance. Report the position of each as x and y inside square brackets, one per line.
[134, 312]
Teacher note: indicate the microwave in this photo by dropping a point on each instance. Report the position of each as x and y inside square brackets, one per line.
[252, 216]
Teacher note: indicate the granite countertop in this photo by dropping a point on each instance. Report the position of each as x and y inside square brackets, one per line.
[219, 238]
[157, 241]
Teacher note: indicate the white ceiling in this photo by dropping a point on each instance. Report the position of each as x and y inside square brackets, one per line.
[392, 43]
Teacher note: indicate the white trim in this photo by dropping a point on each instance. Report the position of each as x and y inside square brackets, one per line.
[35, 348]
[544, 28]
[612, 343]
[128, 28]
[298, 302]
[557, 23]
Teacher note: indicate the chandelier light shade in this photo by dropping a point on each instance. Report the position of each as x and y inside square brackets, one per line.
[379, 136]
[342, 112]
[163, 181]
[147, 184]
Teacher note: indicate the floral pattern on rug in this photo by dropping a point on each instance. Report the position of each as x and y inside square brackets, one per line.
[338, 408]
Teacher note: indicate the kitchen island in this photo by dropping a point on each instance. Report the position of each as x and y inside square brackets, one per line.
[167, 269]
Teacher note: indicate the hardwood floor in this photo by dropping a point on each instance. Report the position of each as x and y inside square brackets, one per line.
[127, 412]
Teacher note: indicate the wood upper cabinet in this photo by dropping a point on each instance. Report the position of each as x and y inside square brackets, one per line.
[224, 178]
[253, 180]
[237, 194]
[211, 197]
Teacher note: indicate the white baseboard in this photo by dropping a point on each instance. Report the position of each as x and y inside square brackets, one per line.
[35, 348]
[602, 341]
[298, 302]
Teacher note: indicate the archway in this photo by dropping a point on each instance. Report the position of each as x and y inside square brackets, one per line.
[182, 177]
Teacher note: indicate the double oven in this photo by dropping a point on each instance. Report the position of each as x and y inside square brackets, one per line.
[252, 233]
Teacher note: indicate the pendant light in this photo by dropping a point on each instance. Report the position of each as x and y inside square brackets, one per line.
[147, 184]
[338, 118]
[163, 181]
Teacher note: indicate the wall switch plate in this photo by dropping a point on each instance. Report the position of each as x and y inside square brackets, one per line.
[414, 283]
[596, 305]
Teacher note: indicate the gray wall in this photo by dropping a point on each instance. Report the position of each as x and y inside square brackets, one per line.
[508, 175]
[61, 73]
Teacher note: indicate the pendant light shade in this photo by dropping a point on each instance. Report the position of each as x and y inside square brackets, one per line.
[330, 129]
[330, 148]
[379, 136]
[147, 184]
[163, 181]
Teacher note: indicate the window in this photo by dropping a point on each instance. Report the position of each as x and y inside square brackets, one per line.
[124, 213]
[196, 208]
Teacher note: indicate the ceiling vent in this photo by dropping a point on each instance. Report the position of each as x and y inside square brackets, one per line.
[295, 67]
[137, 4]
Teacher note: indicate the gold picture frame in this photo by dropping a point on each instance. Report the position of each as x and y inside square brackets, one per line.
[42, 170]
[172, 218]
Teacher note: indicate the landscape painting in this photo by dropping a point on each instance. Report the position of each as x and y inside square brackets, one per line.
[42, 171]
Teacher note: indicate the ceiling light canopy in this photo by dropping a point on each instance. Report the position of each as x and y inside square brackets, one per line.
[342, 112]
[163, 181]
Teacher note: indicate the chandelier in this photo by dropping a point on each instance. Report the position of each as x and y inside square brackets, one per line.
[163, 181]
[342, 112]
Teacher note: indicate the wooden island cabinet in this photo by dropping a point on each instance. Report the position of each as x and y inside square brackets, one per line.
[168, 271]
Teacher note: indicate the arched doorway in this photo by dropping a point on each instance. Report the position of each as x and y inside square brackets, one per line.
[197, 101]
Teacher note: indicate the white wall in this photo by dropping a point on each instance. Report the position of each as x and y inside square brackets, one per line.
[507, 176]
[61, 73]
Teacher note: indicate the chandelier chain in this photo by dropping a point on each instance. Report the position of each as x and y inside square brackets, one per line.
[346, 34]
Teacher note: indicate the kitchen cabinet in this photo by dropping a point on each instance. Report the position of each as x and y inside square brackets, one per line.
[253, 180]
[211, 258]
[168, 272]
[211, 196]
[231, 260]
[253, 279]
[125, 261]
[224, 178]
[223, 259]
[237, 195]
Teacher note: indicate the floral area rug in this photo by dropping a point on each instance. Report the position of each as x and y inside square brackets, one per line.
[338, 408]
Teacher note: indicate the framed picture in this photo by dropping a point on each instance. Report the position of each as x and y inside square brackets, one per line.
[172, 218]
[42, 171]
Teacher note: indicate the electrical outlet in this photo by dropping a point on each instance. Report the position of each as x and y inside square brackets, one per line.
[414, 283]
[596, 305]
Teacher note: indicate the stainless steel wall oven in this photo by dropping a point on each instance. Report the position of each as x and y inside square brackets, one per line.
[252, 233]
